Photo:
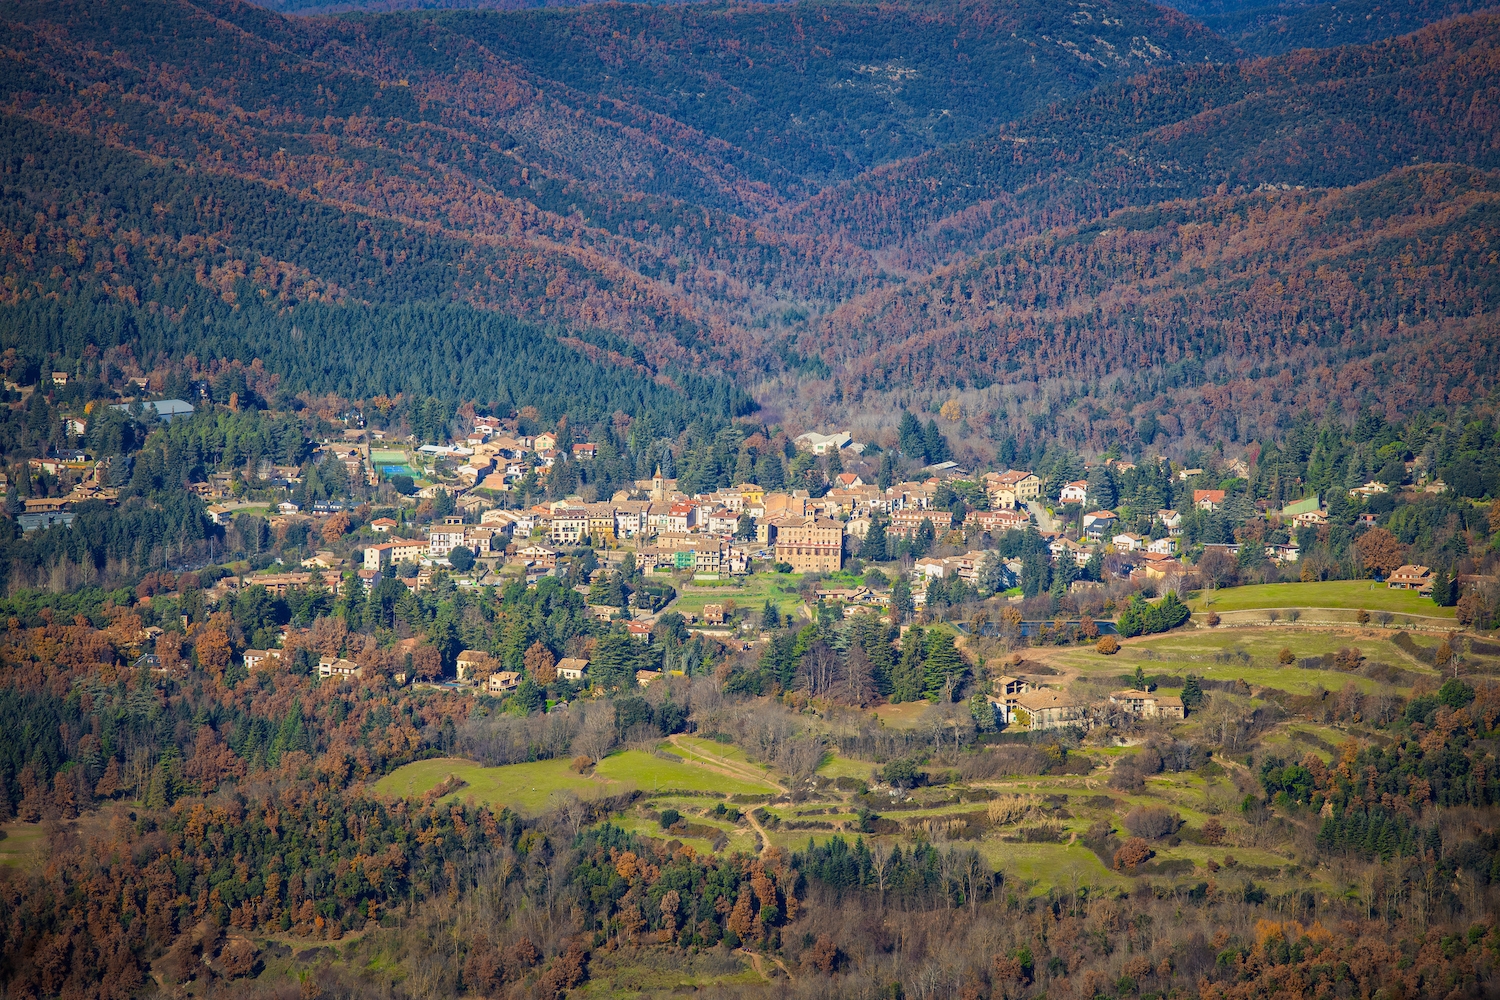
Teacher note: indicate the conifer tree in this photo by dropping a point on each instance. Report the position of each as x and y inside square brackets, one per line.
[908, 677]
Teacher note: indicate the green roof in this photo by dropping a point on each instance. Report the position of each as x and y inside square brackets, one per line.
[1301, 507]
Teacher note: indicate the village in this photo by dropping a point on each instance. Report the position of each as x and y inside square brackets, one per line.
[457, 520]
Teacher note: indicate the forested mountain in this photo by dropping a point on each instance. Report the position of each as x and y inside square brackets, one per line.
[1311, 119]
[1220, 314]
[1271, 28]
[822, 91]
[813, 200]
[1254, 26]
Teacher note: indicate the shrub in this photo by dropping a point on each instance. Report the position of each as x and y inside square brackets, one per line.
[1362, 616]
[1109, 645]
[1213, 832]
[1212, 620]
[1347, 658]
[668, 818]
[1455, 693]
[1151, 822]
[1286, 657]
[1011, 808]
[1048, 831]
[581, 763]
[901, 772]
[1132, 853]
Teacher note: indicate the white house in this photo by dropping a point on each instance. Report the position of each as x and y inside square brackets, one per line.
[1163, 546]
[823, 444]
[571, 668]
[333, 666]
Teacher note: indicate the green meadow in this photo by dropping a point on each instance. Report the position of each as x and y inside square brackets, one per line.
[1343, 594]
[532, 787]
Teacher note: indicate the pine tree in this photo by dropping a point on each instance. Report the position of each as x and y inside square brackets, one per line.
[1102, 494]
[873, 546]
[1192, 693]
[901, 602]
[943, 668]
[615, 661]
[925, 535]
[934, 444]
[908, 677]
[769, 473]
[909, 437]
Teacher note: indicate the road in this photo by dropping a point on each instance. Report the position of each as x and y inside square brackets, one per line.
[1044, 520]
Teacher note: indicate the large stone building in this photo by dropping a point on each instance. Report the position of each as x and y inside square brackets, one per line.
[811, 544]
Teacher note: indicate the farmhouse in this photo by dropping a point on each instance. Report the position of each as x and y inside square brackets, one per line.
[1148, 705]
[1411, 577]
[1047, 708]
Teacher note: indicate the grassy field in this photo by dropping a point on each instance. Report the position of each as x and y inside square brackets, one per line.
[750, 592]
[709, 770]
[650, 828]
[625, 975]
[23, 844]
[1042, 866]
[906, 715]
[1347, 594]
[531, 788]
[651, 773]
[526, 788]
[1215, 654]
[1301, 738]
[845, 767]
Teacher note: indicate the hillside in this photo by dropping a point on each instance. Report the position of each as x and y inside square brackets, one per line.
[787, 196]
[1272, 28]
[1204, 319]
[1312, 119]
[529, 195]
[823, 91]
[1012, 302]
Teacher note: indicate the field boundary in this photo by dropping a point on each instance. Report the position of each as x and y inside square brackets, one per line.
[1399, 619]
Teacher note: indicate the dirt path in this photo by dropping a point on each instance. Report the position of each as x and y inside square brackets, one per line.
[758, 964]
[740, 772]
[765, 838]
[728, 768]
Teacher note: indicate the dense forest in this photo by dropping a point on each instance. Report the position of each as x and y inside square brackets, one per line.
[809, 202]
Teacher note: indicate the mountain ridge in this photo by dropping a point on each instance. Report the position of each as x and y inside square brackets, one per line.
[410, 158]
